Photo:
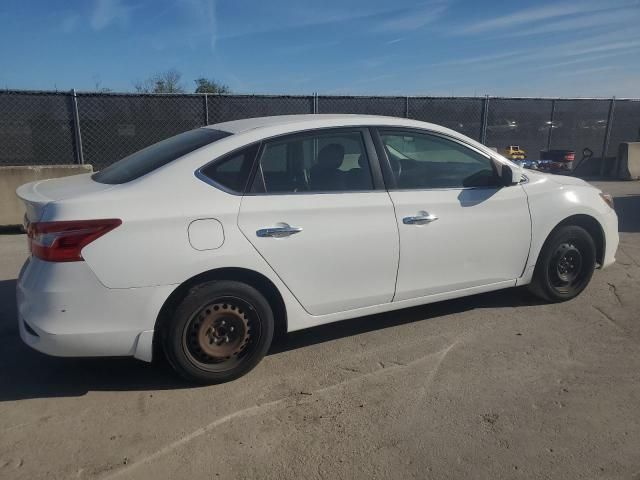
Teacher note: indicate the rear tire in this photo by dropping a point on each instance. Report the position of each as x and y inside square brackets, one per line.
[565, 264]
[219, 332]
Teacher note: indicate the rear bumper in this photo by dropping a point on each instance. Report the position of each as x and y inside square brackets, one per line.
[63, 310]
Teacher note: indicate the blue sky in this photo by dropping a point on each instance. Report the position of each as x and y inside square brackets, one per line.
[436, 47]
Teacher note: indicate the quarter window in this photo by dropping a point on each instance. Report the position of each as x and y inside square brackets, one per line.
[314, 163]
[422, 161]
[232, 171]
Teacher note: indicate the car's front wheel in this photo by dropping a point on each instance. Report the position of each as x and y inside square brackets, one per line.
[219, 332]
[565, 264]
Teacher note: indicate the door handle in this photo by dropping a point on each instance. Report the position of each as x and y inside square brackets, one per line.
[420, 219]
[282, 230]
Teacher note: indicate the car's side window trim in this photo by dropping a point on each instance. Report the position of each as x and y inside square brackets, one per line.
[387, 171]
[247, 169]
[370, 150]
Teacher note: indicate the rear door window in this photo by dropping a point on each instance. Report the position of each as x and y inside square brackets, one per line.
[157, 155]
[331, 162]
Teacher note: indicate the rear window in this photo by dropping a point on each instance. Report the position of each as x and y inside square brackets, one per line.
[156, 155]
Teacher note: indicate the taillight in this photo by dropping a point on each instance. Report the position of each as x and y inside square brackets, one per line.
[63, 241]
[570, 157]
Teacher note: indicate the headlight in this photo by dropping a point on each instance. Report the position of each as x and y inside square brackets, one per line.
[608, 199]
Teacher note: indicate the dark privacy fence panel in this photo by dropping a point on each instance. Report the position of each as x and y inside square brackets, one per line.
[39, 128]
[523, 122]
[389, 106]
[36, 128]
[223, 108]
[625, 125]
[114, 126]
[463, 115]
[580, 124]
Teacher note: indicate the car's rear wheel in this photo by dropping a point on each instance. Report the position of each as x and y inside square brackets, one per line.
[565, 265]
[219, 332]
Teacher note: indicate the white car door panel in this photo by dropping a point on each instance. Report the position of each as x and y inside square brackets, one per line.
[475, 237]
[344, 256]
[458, 227]
[316, 218]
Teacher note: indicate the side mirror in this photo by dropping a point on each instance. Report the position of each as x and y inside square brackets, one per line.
[509, 176]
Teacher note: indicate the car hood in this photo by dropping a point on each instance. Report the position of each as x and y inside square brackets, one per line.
[560, 179]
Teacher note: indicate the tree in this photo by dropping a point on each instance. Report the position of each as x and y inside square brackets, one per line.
[207, 85]
[165, 82]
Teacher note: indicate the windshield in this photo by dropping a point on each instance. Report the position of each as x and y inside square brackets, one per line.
[155, 156]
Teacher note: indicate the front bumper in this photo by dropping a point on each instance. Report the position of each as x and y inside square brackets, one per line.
[611, 237]
[63, 310]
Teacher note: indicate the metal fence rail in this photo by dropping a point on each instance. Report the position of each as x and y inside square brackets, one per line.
[44, 128]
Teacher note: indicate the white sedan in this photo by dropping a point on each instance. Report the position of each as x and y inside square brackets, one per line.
[202, 245]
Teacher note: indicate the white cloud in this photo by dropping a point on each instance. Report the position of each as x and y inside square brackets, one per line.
[591, 70]
[412, 19]
[612, 19]
[108, 12]
[569, 63]
[536, 59]
[481, 58]
[202, 18]
[537, 14]
[387, 19]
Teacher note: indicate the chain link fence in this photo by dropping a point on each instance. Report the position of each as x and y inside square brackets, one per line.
[45, 128]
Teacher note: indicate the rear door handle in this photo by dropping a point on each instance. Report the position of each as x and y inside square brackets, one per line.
[282, 230]
[420, 219]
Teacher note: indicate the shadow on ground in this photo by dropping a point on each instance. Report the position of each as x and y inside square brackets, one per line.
[26, 373]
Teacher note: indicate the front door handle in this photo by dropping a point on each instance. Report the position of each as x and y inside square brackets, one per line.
[420, 219]
[282, 230]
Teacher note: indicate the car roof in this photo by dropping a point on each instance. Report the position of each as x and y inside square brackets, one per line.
[318, 120]
[255, 128]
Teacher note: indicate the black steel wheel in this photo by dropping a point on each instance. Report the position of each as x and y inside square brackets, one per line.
[565, 264]
[219, 332]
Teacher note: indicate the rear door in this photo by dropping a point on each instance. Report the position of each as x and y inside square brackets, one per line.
[317, 212]
[458, 228]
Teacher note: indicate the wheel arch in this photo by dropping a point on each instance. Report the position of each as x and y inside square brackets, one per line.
[593, 228]
[255, 279]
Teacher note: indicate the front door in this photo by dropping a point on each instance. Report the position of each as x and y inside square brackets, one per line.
[458, 228]
[317, 217]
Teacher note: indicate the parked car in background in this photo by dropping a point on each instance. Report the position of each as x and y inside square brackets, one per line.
[205, 244]
[557, 160]
[514, 152]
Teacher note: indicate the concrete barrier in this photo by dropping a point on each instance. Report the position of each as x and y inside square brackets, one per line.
[11, 208]
[629, 161]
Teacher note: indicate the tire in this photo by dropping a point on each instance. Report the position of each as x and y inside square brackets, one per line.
[219, 332]
[565, 264]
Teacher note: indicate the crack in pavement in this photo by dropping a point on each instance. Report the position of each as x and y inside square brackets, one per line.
[256, 409]
[614, 290]
[609, 318]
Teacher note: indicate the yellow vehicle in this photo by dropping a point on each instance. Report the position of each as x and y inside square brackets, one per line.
[514, 152]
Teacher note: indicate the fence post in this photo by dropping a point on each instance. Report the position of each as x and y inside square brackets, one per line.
[206, 109]
[76, 128]
[550, 132]
[485, 116]
[406, 107]
[315, 102]
[607, 135]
